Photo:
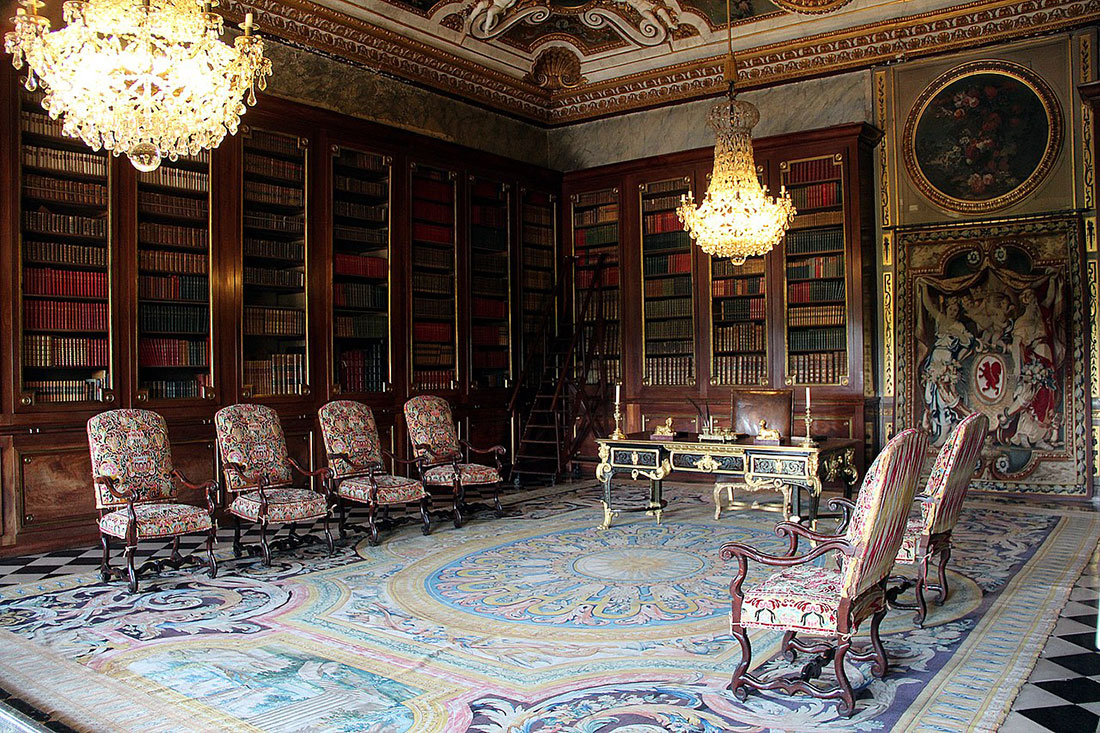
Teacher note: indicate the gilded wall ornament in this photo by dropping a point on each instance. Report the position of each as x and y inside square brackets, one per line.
[555, 69]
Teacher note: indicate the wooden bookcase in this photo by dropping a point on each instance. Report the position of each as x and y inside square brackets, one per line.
[490, 240]
[536, 267]
[793, 318]
[595, 225]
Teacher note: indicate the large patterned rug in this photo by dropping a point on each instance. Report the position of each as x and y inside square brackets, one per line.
[536, 622]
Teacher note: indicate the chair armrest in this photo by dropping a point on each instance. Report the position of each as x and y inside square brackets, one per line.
[362, 469]
[436, 458]
[109, 482]
[393, 459]
[743, 553]
[209, 487]
[793, 531]
[847, 508]
[498, 450]
[323, 472]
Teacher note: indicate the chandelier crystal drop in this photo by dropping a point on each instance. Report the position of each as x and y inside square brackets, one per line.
[737, 219]
[146, 78]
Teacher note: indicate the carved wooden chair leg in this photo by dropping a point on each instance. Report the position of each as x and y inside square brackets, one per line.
[211, 562]
[293, 538]
[264, 547]
[881, 664]
[175, 556]
[737, 684]
[922, 603]
[105, 570]
[425, 507]
[131, 570]
[498, 510]
[458, 501]
[372, 526]
[328, 535]
[846, 704]
[343, 518]
[789, 652]
[237, 548]
[943, 590]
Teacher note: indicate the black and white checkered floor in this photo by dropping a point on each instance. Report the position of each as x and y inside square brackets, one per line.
[1063, 693]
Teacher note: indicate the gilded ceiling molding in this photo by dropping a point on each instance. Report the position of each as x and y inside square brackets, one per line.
[642, 22]
[556, 68]
[811, 7]
[1084, 77]
[310, 25]
[882, 118]
[911, 37]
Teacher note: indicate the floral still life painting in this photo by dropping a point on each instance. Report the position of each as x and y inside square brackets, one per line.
[982, 136]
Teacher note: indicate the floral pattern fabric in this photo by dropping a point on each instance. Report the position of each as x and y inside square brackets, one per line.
[800, 598]
[157, 520]
[251, 436]
[910, 549]
[469, 474]
[131, 446]
[882, 510]
[348, 427]
[391, 489]
[951, 474]
[283, 505]
[429, 420]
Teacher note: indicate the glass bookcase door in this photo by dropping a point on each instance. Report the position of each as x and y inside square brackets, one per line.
[274, 331]
[65, 269]
[815, 268]
[595, 220]
[434, 299]
[739, 328]
[173, 299]
[668, 286]
[490, 283]
[360, 270]
[538, 266]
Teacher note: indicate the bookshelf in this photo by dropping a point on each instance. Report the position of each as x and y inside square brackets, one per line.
[739, 329]
[173, 281]
[538, 262]
[360, 270]
[433, 286]
[668, 321]
[273, 227]
[65, 265]
[490, 283]
[595, 218]
[815, 267]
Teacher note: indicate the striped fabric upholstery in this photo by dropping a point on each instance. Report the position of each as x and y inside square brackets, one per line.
[348, 427]
[878, 523]
[252, 436]
[952, 472]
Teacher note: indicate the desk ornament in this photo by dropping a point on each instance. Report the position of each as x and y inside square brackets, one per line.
[768, 436]
[664, 432]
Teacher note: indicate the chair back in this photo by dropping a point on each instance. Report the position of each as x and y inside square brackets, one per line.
[348, 427]
[428, 419]
[131, 447]
[882, 510]
[776, 406]
[251, 436]
[951, 474]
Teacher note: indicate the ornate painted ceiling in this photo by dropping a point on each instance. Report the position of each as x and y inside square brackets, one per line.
[561, 61]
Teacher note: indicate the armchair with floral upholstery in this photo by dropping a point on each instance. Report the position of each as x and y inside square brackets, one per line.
[825, 601]
[356, 470]
[929, 533]
[135, 492]
[445, 458]
[261, 476]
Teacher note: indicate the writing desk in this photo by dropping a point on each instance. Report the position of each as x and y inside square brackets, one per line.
[789, 467]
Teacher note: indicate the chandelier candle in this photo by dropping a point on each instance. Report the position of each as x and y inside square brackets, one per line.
[145, 78]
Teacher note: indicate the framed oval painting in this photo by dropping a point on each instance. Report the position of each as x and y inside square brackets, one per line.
[982, 136]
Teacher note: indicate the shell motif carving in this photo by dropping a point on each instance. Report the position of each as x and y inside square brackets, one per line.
[555, 69]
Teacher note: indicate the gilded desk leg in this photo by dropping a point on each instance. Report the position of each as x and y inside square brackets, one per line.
[717, 500]
[608, 516]
[604, 473]
[655, 496]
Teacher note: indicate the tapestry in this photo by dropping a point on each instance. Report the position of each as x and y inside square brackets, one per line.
[534, 623]
[991, 319]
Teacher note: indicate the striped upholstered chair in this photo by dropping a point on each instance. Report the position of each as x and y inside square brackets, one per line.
[829, 602]
[356, 470]
[929, 535]
[261, 476]
[135, 491]
[446, 458]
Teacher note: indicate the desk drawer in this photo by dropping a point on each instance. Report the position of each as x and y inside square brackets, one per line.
[648, 458]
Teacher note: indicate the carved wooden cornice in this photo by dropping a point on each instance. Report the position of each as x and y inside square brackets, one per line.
[983, 22]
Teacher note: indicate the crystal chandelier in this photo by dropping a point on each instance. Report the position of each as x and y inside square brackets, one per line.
[737, 218]
[148, 78]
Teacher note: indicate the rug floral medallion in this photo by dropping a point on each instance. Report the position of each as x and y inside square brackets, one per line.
[535, 622]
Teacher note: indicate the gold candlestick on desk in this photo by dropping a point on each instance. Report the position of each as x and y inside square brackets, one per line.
[618, 434]
[808, 441]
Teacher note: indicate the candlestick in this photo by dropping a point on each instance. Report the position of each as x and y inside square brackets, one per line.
[618, 434]
[617, 388]
[808, 441]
